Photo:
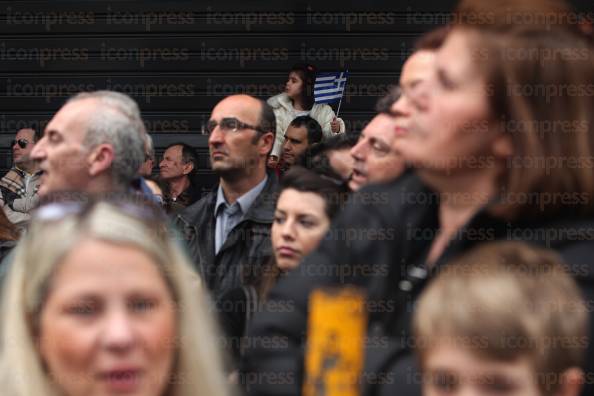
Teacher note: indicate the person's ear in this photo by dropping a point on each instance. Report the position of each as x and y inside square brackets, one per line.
[188, 167]
[571, 382]
[265, 143]
[100, 159]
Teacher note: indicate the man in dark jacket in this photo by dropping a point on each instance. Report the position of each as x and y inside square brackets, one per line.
[228, 231]
[177, 170]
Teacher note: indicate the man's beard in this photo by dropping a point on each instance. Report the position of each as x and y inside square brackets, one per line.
[237, 171]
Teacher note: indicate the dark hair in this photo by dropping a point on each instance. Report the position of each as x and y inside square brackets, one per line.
[384, 103]
[306, 180]
[37, 135]
[307, 73]
[337, 142]
[316, 158]
[267, 118]
[333, 191]
[314, 130]
[188, 155]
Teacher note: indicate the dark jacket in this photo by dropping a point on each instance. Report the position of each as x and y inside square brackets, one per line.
[380, 243]
[246, 249]
[188, 197]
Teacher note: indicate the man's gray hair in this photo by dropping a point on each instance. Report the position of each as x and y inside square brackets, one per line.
[149, 147]
[116, 122]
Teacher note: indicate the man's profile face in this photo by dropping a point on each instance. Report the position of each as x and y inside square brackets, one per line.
[60, 153]
[172, 165]
[375, 159]
[24, 137]
[295, 144]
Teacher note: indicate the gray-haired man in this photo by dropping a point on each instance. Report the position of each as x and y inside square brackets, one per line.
[93, 144]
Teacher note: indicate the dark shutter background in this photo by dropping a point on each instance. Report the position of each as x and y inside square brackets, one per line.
[179, 58]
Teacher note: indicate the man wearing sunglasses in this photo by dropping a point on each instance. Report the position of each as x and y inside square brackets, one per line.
[19, 186]
[228, 230]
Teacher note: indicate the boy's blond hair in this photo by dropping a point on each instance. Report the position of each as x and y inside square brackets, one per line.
[504, 301]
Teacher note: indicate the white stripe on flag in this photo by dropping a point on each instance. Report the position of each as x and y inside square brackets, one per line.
[327, 78]
[323, 91]
[321, 85]
[335, 94]
[325, 98]
[330, 81]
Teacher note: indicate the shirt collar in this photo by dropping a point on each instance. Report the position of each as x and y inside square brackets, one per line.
[245, 201]
[24, 173]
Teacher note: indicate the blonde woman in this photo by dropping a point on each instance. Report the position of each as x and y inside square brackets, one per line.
[100, 300]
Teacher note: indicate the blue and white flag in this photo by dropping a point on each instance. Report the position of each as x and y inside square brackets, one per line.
[329, 87]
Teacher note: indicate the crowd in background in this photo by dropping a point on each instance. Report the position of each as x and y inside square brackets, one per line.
[462, 215]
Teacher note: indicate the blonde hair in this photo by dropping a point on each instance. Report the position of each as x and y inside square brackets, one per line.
[198, 367]
[503, 301]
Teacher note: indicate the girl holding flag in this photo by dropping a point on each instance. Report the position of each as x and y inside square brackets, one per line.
[298, 100]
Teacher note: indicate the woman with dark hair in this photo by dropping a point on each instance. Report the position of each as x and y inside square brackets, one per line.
[298, 100]
[9, 235]
[306, 205]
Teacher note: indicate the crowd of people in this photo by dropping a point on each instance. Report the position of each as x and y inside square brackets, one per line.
[455, 214]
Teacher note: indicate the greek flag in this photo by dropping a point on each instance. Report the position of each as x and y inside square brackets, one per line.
[329, 87]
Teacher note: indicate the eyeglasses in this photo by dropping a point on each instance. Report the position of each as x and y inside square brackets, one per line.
[230, 124]
[62, 204]
[21, 142]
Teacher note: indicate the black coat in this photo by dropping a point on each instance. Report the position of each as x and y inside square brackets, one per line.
[246, 248]
[380, 243]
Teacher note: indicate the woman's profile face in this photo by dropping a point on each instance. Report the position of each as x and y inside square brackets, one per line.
[450, 127]
[300, 222]
[108, 324]
[294, 85]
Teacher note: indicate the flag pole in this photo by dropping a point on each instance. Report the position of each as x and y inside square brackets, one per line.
[340, 101]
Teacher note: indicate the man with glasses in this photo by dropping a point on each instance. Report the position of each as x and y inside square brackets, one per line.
[228, 230]
[370, 258]
[19, 186]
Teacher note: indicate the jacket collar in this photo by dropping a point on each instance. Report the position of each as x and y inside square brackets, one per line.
[262, 209]
[245, 202]
[24, 173]
[284, 101]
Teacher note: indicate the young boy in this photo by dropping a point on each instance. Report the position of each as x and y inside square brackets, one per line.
[505, 319]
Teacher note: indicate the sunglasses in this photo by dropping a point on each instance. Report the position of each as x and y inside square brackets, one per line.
[231, 124]
[21, 142]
